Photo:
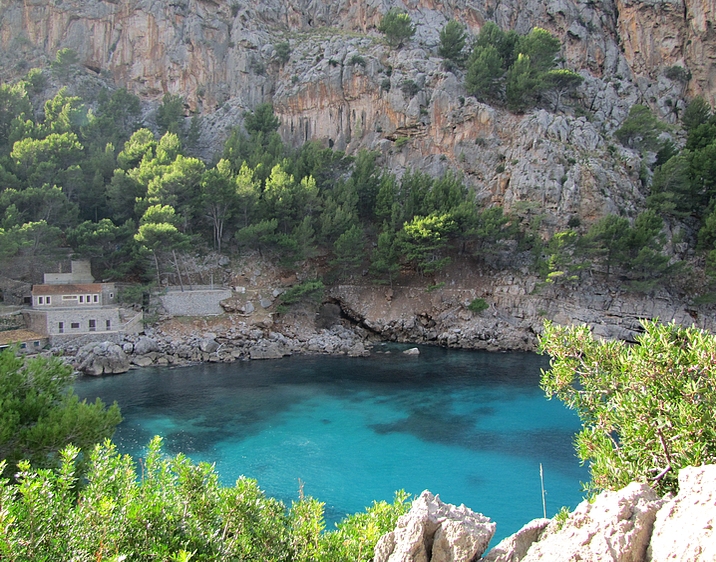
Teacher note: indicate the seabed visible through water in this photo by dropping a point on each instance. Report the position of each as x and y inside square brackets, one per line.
[470, 426]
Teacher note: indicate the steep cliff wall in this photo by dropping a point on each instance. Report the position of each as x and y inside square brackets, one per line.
[342, 84]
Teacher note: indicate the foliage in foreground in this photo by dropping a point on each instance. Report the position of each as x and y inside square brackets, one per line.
[40, 414]
[176, 510]
[647, 410]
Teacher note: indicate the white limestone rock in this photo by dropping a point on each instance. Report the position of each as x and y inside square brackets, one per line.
[684, 527]
[514, 547]
[101, 358]
[433, 531]
[616, 527]
[412, 351]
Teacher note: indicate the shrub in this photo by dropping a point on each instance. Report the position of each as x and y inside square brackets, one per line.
[400, 142]
[478, 305]
[282, 52]
[357, 59]
[176, 510]
[307, 290]
[678, 73]
[409, 88]
[647, 410]
[397, 27]
[640, 129]
[385, 85]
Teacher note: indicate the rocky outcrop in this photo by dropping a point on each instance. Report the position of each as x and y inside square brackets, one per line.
[685, 527]
[101, 358]
[433, 531]
[628, 525]
[515, 547]
[344, 87]
[518, 307]
[615, 527]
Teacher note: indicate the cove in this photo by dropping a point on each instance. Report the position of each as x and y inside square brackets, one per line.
[470, 426]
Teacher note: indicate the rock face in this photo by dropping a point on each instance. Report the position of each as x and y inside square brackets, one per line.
[685, 527]
[515, 547]
[433, 531]
[103, 358]
[630, 525]
[616, 527]
[343, 86]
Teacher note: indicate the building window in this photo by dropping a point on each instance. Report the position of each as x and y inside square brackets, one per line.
[47, 300]
[109, 324]
[36, 343]
[89, 300]
[111, 295]
[61, 327]
[93, 325]
[96, 298]
[75, 325]
[23, 346]
[82, 298]
[40, 300]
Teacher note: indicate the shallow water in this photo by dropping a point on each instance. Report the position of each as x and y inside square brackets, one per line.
[470, 426]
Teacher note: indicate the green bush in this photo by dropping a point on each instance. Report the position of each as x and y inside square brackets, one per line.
[357, 59]
[175, 510]
[409, 88]
[478, 305]
[282, 52]
[400, 142]
[306, 290]
[397, 27]
[641, 129]
[647, 410]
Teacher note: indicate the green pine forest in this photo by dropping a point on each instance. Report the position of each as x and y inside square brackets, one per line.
[83, 174]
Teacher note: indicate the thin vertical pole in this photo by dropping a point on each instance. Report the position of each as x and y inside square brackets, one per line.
[541, 479]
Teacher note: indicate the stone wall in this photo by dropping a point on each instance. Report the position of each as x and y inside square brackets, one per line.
[203, 302]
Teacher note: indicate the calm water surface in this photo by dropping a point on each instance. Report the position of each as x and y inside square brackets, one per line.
[470, 426]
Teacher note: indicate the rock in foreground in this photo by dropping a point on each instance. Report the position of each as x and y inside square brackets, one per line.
[433, 531]
[629, 525]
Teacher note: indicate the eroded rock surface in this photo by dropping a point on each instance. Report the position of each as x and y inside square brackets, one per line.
[433, 531]
[685, 528]
[101, 358]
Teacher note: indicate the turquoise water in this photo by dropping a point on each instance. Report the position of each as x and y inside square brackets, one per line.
[472, 427]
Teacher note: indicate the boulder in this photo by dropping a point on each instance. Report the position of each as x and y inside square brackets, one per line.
[514, 547]
[412, 351]
[684, 527]
[615, 527]
[269, 350]
[145, 345]
[433, 531]
[101, 358]
[142, 360]
[208, 345]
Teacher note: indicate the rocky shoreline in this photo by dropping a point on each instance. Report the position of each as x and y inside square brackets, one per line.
[243, 342]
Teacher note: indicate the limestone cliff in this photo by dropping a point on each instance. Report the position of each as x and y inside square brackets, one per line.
[342, 84]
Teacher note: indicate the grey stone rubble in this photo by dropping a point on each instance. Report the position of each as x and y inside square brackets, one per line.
[628, 525]
[244, 341]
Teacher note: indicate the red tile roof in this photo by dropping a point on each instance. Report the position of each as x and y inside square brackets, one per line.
[82, 289]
